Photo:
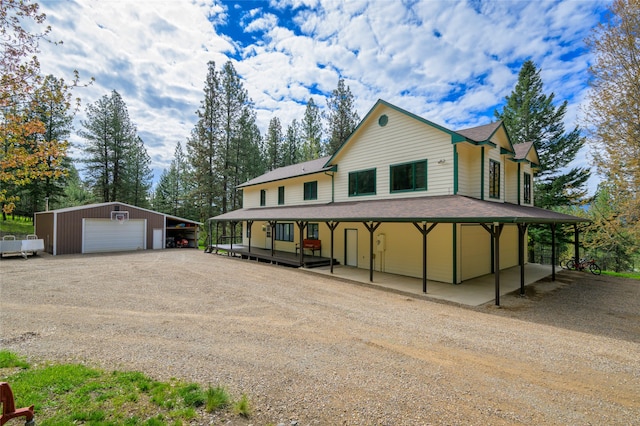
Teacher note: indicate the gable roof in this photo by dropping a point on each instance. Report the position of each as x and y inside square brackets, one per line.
[522, 149]
[294, 170]
[480, 133]
[454, 136]
[113, 203]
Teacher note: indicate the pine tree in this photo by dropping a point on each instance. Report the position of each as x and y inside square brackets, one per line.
[273, 144]
[249, 158]
[341, 117]
[202, 147]
[111, 145]
[291, 149]
[311, 132]
[138, 176]
[613, 112]
[531, 116]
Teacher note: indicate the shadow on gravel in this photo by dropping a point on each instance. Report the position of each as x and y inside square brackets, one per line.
[602, 305]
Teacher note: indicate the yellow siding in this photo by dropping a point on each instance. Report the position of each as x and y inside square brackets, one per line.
[469, 172]
[511, 181]
[509, 246]
[475, 259]
[403, 139]
[293, 193]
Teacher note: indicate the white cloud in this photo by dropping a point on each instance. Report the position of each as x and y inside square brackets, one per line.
[450, 62]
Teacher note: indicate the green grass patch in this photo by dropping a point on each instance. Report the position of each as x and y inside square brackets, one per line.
[632, 275]
[67, 394]
[20, 227]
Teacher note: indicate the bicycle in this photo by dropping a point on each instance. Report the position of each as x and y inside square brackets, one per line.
[582, 265]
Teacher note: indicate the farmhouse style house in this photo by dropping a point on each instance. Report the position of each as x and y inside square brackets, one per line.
[402, 195]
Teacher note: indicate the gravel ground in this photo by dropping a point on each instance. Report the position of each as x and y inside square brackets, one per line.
[310, 350]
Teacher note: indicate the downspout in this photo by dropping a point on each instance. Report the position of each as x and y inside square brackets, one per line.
[482, 173]
[332, 185]
[519, 173]
[455, 169]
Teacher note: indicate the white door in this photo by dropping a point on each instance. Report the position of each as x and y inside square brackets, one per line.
[351, 247]
[268, 240]
[105, 235]
[157, 239]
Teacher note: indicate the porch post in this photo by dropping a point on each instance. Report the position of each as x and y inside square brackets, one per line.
[332, 227]
[371, 228]
[497, 232]
[272, 224]
[233, 233]
[553, 252]
[522, 229]
[424, 231]
[301, 226]
[249, 226]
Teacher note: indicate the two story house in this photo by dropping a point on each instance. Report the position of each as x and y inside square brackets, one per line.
[403, 195]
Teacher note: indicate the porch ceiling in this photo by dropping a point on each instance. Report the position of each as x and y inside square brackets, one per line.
[440, 209]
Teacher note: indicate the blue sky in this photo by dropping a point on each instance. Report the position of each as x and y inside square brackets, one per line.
[451, 62]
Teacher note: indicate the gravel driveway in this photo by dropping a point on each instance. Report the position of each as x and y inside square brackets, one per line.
[312, 350]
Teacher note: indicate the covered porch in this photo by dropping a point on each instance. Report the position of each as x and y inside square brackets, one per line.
[420, 215]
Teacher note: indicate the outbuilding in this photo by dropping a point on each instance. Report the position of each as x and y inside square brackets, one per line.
[112, 227]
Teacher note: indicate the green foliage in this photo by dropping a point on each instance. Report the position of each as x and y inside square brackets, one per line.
[16, 225]
[11, 360]
[117, 163]
[216, 398]
[632, 275]
[341, 117]
[531, 116]
[242, 407]
[311, 132]
[71, 394]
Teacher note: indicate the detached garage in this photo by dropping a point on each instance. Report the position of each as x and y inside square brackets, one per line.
[112, 227]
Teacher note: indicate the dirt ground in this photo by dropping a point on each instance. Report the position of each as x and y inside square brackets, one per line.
[311, 350]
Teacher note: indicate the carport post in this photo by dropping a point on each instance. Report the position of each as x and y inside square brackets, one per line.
[576, 243]
[301, 226]
[496, 236]
[249, 226]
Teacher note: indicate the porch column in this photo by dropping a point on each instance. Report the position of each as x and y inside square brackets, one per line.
[424, 231]
[249, 226]
[301, 227]
[553, 252]
[272, 224]
[522, 230]
[371, 228]
[233, 233]
[495, 232]
[332, 227]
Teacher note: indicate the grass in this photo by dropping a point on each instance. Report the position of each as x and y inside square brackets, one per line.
[632, 275]
[67, 394]
[19, 226]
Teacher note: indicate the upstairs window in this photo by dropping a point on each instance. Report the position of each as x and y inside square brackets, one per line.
[280, 195]
[527, 188]
[409, 177]
[494, 179]
[311, 190]
[362, 182]
[263, 197]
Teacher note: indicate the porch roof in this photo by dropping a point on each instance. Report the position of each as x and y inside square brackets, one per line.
[432, 209]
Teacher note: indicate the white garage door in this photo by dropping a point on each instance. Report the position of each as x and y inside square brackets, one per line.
[104, 235]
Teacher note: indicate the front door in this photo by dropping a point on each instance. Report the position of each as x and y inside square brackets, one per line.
[351, 247]
[268, 240]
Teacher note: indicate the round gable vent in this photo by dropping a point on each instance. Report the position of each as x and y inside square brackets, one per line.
[383, 120]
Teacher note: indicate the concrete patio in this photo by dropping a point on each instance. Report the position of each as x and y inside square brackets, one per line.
[472, 292]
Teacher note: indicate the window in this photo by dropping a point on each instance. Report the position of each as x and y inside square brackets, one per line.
[312, 231]
[284, 232]
[527, 188]
[494, 179]
[263, 197]
[280, 195]
[409, 176]
[311, 190]
[362, 182]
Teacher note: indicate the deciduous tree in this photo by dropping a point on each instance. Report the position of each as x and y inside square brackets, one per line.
[612, 116]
